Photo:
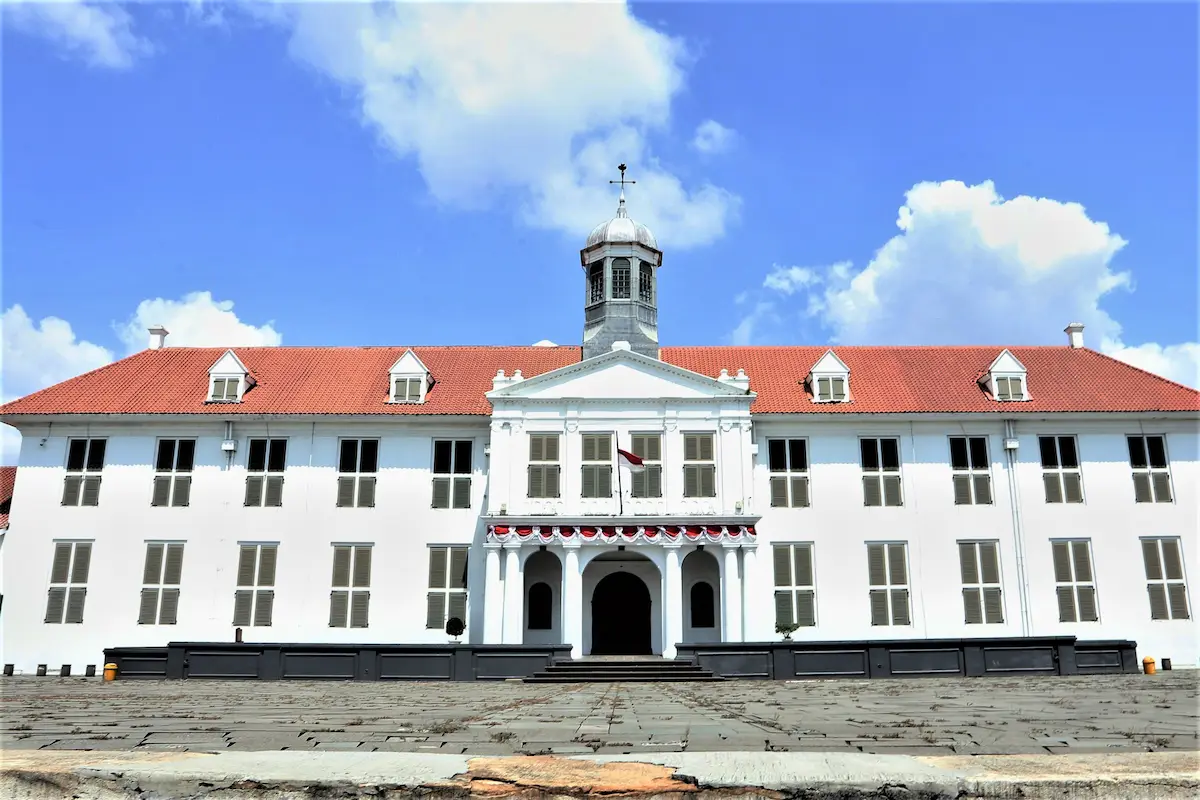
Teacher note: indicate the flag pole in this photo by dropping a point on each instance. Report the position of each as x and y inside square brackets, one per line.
[620, 494]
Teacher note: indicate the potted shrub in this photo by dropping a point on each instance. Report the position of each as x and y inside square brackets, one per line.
[786, 629]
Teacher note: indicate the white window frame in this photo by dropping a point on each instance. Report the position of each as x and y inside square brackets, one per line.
[600, 469]
[409, 388]
[795, 593]
[162, 575]
[544, 466]
[267, 477]
[258, 593]
[226, 388]
[1058, 475]
[1002, 387]
[966, 481]
[356, 489]
[895, 594]
[879, 475]
[67, 594]
[452, 490]
[87, 478]
[795, 483]
[979, 567]
[1162, 557]
[647, 484]
[350, 586]
[176, 483]
[452, 597]
[697, 464]
[1067, 580]
[1154, 485]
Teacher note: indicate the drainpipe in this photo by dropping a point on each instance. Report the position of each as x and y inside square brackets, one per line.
[229, 451]
[1014, 502]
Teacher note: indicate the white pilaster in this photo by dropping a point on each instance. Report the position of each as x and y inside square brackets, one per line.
[750, 632]
[514, 596]
[672, 601]
[572, 613]
[493, 597]
[731, 596]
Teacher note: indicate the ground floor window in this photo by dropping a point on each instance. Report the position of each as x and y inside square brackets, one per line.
[703, 604]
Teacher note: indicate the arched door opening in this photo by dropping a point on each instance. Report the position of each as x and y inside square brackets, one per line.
[621, 616]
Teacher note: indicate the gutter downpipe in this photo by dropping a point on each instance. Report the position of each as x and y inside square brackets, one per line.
[228, 453]
[1014, 502]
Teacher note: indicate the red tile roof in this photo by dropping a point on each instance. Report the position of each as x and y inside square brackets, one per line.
[8, 477]
[354, 380]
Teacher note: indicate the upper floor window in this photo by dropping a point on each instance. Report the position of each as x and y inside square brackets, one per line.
[881, 472]
[971, 472]
[788, 461]
[408, 390]
[543, 465]
[596, 282]
[452, 473]
[68, 582]
[173, 472]
[979, 563]
[161, 576]
[648, 482]
[831, 389]
[85, 460]
[620, 278]
[646, 284]
[254, 599]
[1060, 469]
[265, 464]
[1074, 582]
[1164, 578]
[358, 460]
[225, 390]
[699, 468]
[597, 465]
[795, 591]
[350, 597]
[447, 597]
[887, 568]
[1151, 475]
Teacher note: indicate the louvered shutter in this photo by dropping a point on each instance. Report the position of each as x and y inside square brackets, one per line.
[800, 492]
[551, 447]
[989, 562]
[366, 492]
[360, 604]
[779, 492]
[435, 609]
[152, 571]
[782, 560]
[552, 487]
[604, 482]
[891, 490]
[962, 490]
[839, 389]
[972, 606]
[56, 602]
[1081, 560]
[274, 494]
[60, 570]
[183, 491]
[264, 603]
[246, 564]
[437, 568]
[983, 489]
[1162, 487]
[691, 448]
[1073, 487]
[83, 562]
[1158, 601]
[341, 566]
[900, 615]
[872, 493]
[638, 483]
[1086, 599]
[823, 390]
[458, 568]
[1066, 604]
[879, 607]
[170, 607]
[76, 596]
[362, 567]
[345, 492]
[653, 449]
[993, 606]
[71, 488]
[1172, 562]
[654, 481]
[1151, 560]
[148, 609]
[537, 448]
[706, 447]
[339, 604]
[806, 610]
[897, 569]
[243, 600]
[173, 569]
[589, 481]
[876, 568]
[708, 481]
[1177, 595]
[966, 563]
[691, 481]
[783, 608]
[1062, 562]
[254, 490]
[803, 574]
[589, 448]
[162, 491]
[266, 565]
[462, 493]
[458, 606]
[441, 490]
[91, 491]
[1141, 488]
[537, 483]
[1053, 487]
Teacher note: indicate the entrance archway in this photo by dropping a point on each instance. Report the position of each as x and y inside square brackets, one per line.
[621, 616]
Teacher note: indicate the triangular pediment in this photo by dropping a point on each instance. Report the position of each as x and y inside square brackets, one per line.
[409, 364]
[830, 364]
[228, 364]
[621, 374]
[1006, 362]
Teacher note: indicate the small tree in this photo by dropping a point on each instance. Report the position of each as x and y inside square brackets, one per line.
[786, 629]
[455, 627]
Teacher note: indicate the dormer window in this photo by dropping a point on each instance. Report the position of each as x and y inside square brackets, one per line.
[409, 380]
[1010, 388]
[1006, 379]
[408, 390]
[228, 379]
[831, 390]
[225, 390]
[829, 380]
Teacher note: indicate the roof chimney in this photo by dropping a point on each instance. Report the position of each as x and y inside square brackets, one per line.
[1075, 335]
[158, 337]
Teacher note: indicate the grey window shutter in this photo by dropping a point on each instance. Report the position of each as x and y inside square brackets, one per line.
[962, 490]
[537, 448]
[1086, 598]
[972, 606]
[1062, 562]
[1066, 604]
[246, 564]
[1015, 388]
[360, 603]
[653, 448]
[339, 604]
[263, 605]
[183, 491]
[173, 569]
[1141, 488]
[1162, 487]
[806, 609]
[345, 492]
[83, 562]
[879, 607]
[458, 567]
[983, 489]
[56, 602]
[162, 491]
[1073, 487]
[1172, 562]
[708, 481]
[366, 492]
[362, 567]
[148, 609]
[1002, 390]
[800, 492]
[706, 447]
[783, 607]
[551, 448]
[891, 490]
[691, 448]
[803, 574]
[989, 562]
[1053, 487]
[782, 561]
[638, 484]
[254, 490]
[441, 490]
[876, 569]
[435, 609]
[76, 596]
[589, 481]
[779, 492]
[537, 484]
[341, 566]
[900, 614]
[552, 487]
[823, 390]
[437, 568]
[274, 494]
[839, 389]
[71, 487]
[243, 600]
[872, 493]
[604, 481]
[966, 563]
[91, 491]
[993, 606]
[1081, 560]
[1151, 560]
[897, 568]
[1158, 601]
[691, 481]
[589, 448]
[170, 607]
[152, 571]
[654, 481]
[458, 606]
[1177, 595]
[266, 565]
[60, 571]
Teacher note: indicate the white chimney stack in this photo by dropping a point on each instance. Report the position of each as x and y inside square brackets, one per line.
[1075, 335]
[158, 337]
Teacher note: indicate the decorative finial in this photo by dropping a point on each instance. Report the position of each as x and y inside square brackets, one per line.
[621, 202]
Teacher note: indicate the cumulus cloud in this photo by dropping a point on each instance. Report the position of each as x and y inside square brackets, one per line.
[970, 266]
[712, 137]
[194, 321]
[101, 33]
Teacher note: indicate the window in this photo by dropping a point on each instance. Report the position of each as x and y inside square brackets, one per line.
[1010, 388]
[648, 482]
[255, 596]
[703, 605]
[831, 389]
[795, 592]
[1151, 476]
[264, 484]
[699, 471]
[541, 607]
[980, 566]
[1164, 576]
[1073, 580]
[68, 582]
[160, 583]
[358, 460]
[620, 278]
[452, 474]
[596, 283]
[881, 472]
[543, 465]
[1060, 469]
[887, 569]
[787, 460]
[350, 598]
[971, 472]
[173, 472]
[407, 390]
[447, 586]
[597, 465]
[85, 460]
[225, 390]
[646, 284]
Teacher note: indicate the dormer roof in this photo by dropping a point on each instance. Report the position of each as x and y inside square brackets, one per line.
[1006, 362]
[409, 364]
[829, 364]
[228, 364]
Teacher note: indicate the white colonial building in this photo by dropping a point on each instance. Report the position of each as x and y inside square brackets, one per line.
[369, 495]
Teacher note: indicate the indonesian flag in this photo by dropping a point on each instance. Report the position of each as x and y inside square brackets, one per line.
[627, 459]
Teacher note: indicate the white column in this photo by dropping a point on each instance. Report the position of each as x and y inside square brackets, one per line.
[731, 596]
[572, 613]
[672, 601]
[493, 595]
[750, 632]
[514, 596]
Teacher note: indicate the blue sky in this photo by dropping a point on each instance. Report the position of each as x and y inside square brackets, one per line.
[341, 175]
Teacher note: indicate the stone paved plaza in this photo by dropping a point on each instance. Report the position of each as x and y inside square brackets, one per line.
[918, 717]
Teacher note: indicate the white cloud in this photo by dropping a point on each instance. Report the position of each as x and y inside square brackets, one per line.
[786, 280]
[969, 266]
[712, 137]
[195, 321]
[101, 33]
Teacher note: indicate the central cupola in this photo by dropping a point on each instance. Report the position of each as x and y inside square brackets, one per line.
[620, 267]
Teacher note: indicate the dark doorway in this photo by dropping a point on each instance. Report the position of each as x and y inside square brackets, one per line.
[621, 616]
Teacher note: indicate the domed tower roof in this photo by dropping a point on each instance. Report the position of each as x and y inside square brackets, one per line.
[621, 229]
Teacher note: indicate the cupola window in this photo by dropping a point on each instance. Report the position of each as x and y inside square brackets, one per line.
[646, 284]
[596, 283]
[620, 278]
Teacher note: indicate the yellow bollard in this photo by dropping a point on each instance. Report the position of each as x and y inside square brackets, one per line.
[110, 672]
[1148, 665]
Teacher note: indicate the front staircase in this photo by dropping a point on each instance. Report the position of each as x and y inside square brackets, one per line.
[620, 669]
